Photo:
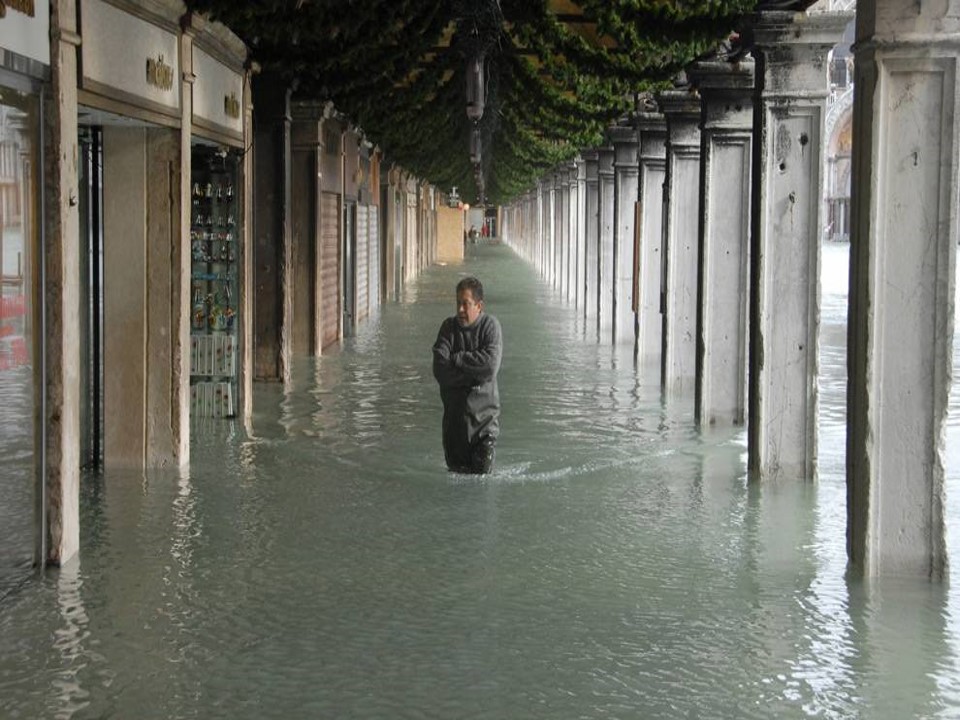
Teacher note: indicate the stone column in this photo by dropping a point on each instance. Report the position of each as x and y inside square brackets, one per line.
[591, 280]
[180, 302]
[557, 219]
[59, 531]
[791, 76]
[247, 281]
[563, 230]
[681, 108]
[550, 234]
[902, 271]
[539, 231]
[626, 173]
[579, 190]
[306, 164]
[605, 222]
[726, 92]
[652, 129]
[272, 219]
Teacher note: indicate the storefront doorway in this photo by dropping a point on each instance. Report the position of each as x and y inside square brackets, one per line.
[21, 338]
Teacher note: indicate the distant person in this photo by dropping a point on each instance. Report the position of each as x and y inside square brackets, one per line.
[466, 360]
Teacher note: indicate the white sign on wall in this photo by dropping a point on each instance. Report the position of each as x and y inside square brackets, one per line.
[217, 94]
[124, 53]
[25, 29]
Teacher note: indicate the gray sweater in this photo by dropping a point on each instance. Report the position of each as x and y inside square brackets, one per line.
[465, 363]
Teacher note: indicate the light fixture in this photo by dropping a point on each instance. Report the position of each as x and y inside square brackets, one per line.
[475, 94]
[475, 146]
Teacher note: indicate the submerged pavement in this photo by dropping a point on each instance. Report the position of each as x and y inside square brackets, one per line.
[321, 562]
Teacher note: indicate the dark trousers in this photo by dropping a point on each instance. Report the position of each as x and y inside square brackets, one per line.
[475, 460]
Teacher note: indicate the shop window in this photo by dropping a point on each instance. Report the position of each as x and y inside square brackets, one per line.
[214, 314]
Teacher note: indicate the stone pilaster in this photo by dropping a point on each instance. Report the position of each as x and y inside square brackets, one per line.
[626, 174]
[549, 231]
[681, 108]
[606, 219]
[726, 91]
[652, 128]
[558, 239]
[591, 280]
[272, 219]
[578, 191]
[903, 259]
[180, 301]
[563, 230]
[247, 279]
[306, 135]
[59, 534]
[541, 229]
[791, 75]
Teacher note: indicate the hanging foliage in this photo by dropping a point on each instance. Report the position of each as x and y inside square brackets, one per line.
[397, 69]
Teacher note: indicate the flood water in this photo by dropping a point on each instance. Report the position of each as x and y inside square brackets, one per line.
[322, 563]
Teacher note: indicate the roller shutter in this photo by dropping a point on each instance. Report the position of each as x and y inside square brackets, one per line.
[374, 235]
[330, 269]
[363, 255]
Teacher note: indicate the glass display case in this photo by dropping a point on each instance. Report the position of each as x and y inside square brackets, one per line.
[214, 314]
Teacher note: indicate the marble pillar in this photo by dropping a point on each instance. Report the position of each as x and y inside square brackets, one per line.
[626, 173]
[605, 222]
[726, 91]
[681, 108]
[790, 49]
[58, 537]
[591, 279]
[902, 284]
[652, 129]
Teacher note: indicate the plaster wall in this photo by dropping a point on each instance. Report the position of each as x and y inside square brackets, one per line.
[124, 301]
[450, 229]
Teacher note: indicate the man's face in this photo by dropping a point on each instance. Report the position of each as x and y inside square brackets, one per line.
[468, 310]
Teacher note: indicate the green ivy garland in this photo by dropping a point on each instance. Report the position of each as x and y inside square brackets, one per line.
[551, 91]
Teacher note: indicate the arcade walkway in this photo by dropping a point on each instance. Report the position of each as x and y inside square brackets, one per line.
[322, 563]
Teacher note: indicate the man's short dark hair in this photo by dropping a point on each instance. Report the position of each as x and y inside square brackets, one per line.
[473, 285]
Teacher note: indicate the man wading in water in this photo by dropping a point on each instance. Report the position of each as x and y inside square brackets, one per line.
[466, 360]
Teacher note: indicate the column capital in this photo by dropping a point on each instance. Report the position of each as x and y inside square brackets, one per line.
[591, 161]
[791, 50]
[605, 161]
[650, 122]
[719, 78]
[678, 102]
[681, 108]
[796, 31]
[899, 24]
[727, 92]
[621, 134]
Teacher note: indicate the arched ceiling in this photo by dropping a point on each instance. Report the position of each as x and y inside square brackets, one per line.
[557, 72]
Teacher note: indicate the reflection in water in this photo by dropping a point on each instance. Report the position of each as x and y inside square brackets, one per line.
[67, 695]
[321, 562]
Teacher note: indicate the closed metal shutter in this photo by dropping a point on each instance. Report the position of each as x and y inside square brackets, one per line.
[410, 267]
[374, 234]
[363, 254]
[330, 269]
